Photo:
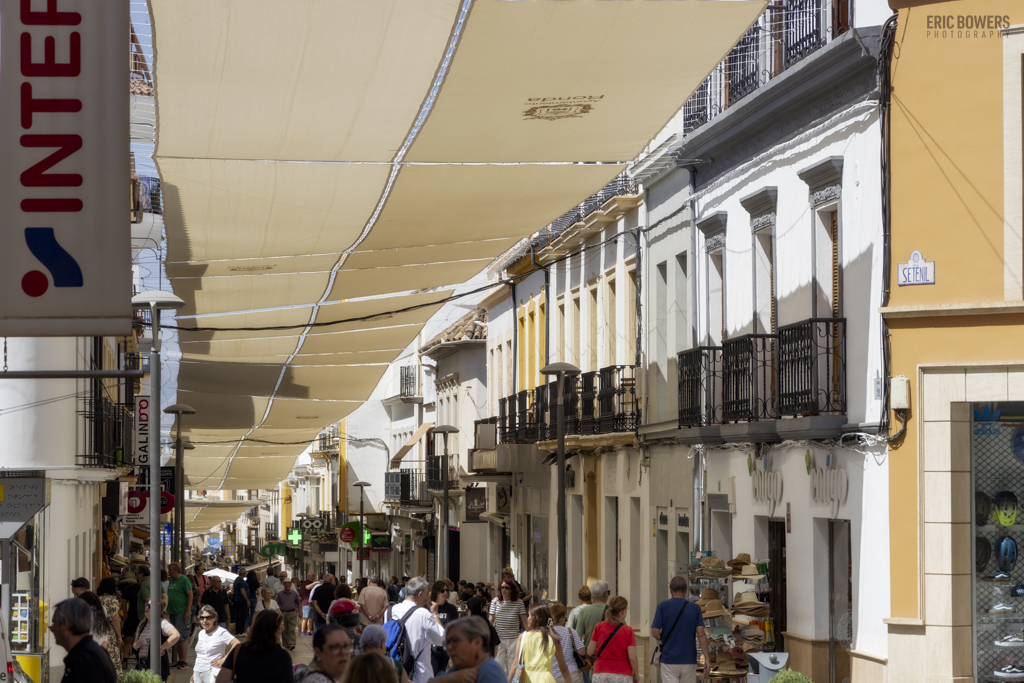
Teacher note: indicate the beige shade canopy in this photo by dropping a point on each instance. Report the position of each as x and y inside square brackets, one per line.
[316, 155]
[236, 210]
[587, 80]
[327, 80]
[200, 517]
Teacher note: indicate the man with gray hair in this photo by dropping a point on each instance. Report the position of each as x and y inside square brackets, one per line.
[423, 628]
[373, 600]
[86, 662]
[593, 613]
[468, 647]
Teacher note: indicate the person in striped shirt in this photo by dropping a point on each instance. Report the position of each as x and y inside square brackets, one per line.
[508, 614]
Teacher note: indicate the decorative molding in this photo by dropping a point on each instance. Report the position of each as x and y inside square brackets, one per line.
[715, 242]
[761, 202]
[826, 194]
[829, 171]
[763, 221]
[942, 310]
[713, 224]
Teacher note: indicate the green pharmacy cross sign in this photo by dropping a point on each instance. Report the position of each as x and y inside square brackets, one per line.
[295, 536]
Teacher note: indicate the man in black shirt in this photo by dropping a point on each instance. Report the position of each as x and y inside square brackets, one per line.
[217, 598]
[86, 662]
[321, 599]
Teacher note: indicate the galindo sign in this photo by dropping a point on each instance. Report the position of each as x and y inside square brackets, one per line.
[142, 425]
[65, 265]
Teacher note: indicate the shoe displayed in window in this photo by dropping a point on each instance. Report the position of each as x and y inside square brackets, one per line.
[1011, 640]
[1002, 608]
[998, 577]
[1009, 671]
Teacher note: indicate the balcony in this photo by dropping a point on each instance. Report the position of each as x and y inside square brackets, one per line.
[407, 381]
[782, 36]
[112, 426]
[326, 441]
[402, 487]
[137, 361]
[405, 388]
[699, 374]
[812, 370]
[435, 472]
[599, 402]
[763, 387]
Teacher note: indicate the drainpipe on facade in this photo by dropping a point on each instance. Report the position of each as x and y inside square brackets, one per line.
[515, 341]
[547, 304]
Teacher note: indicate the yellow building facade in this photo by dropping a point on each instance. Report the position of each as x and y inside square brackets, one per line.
[955, 317]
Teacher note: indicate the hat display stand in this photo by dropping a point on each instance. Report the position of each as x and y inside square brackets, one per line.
[734, 634]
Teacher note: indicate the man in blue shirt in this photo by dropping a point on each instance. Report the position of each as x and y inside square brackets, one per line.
[241, 602]
[466, 641]
[677, 626]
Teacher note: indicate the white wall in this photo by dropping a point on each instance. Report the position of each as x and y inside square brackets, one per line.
[866, 509]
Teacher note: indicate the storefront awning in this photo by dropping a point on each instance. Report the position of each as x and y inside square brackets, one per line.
[413, 440]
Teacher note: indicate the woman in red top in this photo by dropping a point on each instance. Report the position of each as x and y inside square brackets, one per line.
[613, 646]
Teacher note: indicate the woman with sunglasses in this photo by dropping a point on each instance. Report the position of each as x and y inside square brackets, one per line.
[168, 637]
[446, 613]
[212, 646]
[508, 614]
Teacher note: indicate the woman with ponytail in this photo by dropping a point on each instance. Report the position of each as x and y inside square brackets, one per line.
[537, 648]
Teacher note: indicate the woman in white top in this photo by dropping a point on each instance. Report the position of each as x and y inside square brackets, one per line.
[169, 636]
[267, 601]
[570, 640]
[212, 646]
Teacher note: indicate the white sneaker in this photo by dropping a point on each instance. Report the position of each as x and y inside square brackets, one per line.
[1012, 640]
[1010, 671]
[1002, 608]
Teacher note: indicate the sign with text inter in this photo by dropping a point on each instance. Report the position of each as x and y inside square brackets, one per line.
[65, 261]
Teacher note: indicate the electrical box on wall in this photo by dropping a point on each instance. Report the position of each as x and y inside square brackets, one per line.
[899, 395]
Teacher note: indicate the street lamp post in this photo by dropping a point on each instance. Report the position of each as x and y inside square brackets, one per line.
[561, 370]
[155, 301]
[178, 544]
[444, 431]
[362, 528]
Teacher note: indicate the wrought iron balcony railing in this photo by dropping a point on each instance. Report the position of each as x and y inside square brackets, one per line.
[408, 384]
[799, 371]
[812, 367]
[749, 379]
[137, 361]
[401, 486]
[784, 34]
[435, 472]
[112, 426]
[598, 402]
[699, 372]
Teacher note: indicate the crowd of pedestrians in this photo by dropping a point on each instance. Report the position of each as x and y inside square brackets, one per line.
[408, 631]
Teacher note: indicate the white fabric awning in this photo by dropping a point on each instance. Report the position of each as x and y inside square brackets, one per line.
[319, 151]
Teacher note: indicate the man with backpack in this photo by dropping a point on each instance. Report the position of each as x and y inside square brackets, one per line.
[677, 626]
[412, 629]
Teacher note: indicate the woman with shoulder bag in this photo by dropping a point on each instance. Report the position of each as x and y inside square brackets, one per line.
[260, 659]
[168, 637]
[573, 649]
[613, 646]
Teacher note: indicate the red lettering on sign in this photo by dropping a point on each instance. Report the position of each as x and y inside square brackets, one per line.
[51, 205]
[66, 145]
[30, 106]
[50, 68]
[51, 17]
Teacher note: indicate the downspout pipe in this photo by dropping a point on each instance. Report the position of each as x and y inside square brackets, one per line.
[547, 303]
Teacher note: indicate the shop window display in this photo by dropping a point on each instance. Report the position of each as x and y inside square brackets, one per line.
[997, 466]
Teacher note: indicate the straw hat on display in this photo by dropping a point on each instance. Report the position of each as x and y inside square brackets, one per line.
[739, 561]
[715, 608]
[749, 572]
[706, 595]
[714, 567]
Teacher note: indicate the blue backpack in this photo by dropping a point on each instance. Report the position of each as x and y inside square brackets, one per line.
[397, 645]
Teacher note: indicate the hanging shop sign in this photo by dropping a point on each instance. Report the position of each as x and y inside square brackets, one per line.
[271, 549]
[138, 506]
[380, 544]
[348, 532]
[476, 503]
[312, 524]
[916, 271]
[142, 425]
[20, 498]
[65, 260]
